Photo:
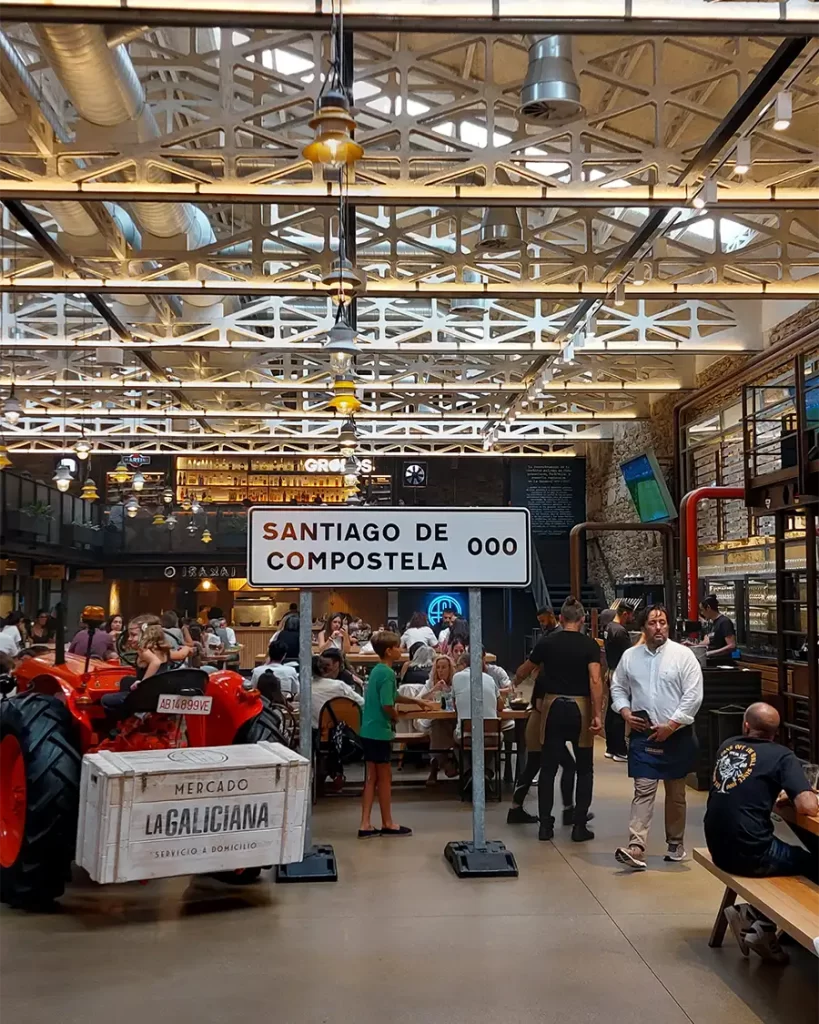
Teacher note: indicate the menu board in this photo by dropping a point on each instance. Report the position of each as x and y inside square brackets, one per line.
[554, 491]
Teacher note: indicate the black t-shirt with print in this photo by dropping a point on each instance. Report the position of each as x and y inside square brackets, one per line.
[749, 774]
[565, 656]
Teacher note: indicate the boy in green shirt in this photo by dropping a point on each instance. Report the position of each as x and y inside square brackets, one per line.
[377, 730]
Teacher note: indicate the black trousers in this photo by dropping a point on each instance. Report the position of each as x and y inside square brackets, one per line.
[532, 767]
[563, 726]
[615, 732]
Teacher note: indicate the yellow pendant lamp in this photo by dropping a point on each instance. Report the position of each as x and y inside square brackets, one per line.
[89, 490]
[333, 145]
[344, 399]
[5, 461]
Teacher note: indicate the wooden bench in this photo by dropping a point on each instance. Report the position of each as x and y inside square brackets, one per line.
[791, 901]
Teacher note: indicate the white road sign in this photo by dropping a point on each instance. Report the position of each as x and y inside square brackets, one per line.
[291, 546]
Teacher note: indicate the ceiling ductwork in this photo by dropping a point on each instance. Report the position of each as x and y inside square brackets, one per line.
[469, 305]
[550, 93]
[500, 230]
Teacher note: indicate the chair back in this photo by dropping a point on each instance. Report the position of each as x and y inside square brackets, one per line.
[344, 710]
[491, 733]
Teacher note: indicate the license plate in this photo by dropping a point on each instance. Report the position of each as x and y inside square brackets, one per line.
[178, 704]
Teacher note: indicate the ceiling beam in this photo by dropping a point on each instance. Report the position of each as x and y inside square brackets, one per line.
[665, 291]
[736, 198]
[487, 17]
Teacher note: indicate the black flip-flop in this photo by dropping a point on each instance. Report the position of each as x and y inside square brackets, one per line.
[402, 830]
[368, 833]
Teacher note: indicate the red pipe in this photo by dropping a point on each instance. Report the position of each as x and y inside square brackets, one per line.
[689, 552]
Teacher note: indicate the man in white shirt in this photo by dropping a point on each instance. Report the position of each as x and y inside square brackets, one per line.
[287, 675]
[462, 693]
[448, 617]
[657, 689]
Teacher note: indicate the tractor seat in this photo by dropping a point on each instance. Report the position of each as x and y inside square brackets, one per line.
[190, 682]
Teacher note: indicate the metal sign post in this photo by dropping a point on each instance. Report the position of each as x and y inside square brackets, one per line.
[309, 548]
[478, 858]
[319, 862]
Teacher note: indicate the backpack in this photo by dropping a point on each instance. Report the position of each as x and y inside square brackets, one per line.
[345, 745]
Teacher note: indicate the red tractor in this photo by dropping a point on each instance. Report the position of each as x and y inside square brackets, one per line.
[56, 716]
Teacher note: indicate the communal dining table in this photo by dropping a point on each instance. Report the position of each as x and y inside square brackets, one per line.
[809, 822]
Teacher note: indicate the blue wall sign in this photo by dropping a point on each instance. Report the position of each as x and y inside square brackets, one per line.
[437, 604]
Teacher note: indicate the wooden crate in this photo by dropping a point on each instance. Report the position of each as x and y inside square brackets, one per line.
[190, 811]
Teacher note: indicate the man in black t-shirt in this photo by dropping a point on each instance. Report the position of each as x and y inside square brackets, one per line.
[749, 774]
[571, 698]
[617, 642]
[722, 639]
[517, 814]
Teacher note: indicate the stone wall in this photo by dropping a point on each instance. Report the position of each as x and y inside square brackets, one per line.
[613, 555]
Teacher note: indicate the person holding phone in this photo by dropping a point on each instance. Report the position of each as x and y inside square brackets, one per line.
[335, 634]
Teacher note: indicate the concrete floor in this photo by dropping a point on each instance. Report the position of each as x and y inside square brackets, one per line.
[399, 939]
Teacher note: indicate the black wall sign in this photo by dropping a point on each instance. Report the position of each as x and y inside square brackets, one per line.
[554, 491]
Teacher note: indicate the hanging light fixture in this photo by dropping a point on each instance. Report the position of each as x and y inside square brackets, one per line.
[121, 473]
[500, 230]
[138, 482]
[89, 490]
[206, 537]
[344, 399]
[12, 410]
[82, 449]
[5, 461]
[347, 437]
[341, 343]
[191, 528]
[170, 522]
[333, 145]
[131, 507]
[63, 478]
[167, 496]
[620, 294]
[185, 503]
[345, 281]
[196, 508]
[742, 158]
[158, 520]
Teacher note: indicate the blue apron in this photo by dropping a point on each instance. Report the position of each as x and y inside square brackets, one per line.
[674, 759]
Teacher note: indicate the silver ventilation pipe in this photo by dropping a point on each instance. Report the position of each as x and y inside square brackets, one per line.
[550, 93]
[469, 305]
[103, 86]
[500, 230]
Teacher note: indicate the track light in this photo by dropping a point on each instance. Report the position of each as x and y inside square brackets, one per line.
[783, 111]
[568, 353]
[579, 339]
[620, 294]
[707, 195]
[591, 327]
[641, 273]
[742, 158]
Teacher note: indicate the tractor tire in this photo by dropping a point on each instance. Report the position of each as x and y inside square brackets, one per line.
[263, 727]
[39, 795]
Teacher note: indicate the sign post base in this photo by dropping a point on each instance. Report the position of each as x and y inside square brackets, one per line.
[493, 861]
[318, 865]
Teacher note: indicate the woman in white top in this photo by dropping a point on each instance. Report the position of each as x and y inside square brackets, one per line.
[11, 638]
[334, 634]
[441, 731]
[419, 631]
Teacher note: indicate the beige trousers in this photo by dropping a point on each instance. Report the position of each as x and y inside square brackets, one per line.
[642, 810]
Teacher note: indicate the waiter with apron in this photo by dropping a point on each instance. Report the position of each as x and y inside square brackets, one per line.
[657, 688]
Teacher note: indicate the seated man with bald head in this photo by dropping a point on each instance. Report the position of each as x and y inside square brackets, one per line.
[749, 774]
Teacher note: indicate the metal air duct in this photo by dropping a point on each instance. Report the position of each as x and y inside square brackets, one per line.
[468, 305]
[550, 93]
[103, 86]
[500, 230]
